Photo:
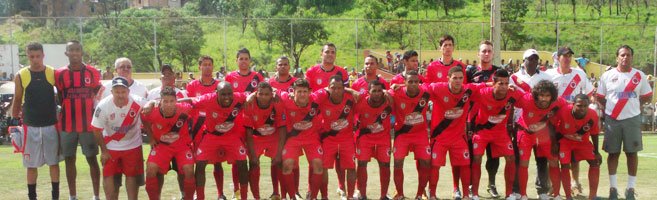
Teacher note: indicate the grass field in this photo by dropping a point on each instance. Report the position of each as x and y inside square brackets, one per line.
[12, 177]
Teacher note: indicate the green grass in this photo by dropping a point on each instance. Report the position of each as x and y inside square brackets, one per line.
[13, 178]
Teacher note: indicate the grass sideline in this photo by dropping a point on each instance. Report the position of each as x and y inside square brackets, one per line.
[13, 178]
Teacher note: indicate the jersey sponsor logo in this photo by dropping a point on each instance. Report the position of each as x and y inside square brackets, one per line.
[159, 126]
[453, 113]
[339, 124]
[302, 125]
[413, 118]
[223, 127]
[626, 95]
[496, 119]
[375, 127]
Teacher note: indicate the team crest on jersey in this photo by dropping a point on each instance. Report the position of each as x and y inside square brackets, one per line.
[112, 116]
[234, 112]
[235, 84]
[188, 155]
[465, 97]
[368, 115]
[319, 81]
[550, 114]
[215, 115]
[313, 112]
[521, 152]
[508, 106]
[242, 150]
[466, 154]
[358, 151]
[635, 81]
[179, 123]
[586, 127]
[446, 99]
[428, 150]
[423, 102]
[159, 126]
[87, 80]
[153, 153]
[489, 107]
[293, 113]
[384, 115]
[567, 125]
[509, 146]
[561, 155]
[403, 105]
[271, 116]
[328, 112]
[255, 118]
[254, 83]
[475, 145]
[573, 85]
[388, 152]
[347, 109]
[320, 151]
[531, 114]
[434, 156]
[440, 74]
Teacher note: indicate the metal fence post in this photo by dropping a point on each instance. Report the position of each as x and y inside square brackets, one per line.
[292, 40]
[602, 33]
[225, 47]
[420, 42]
[80, 25]
[557, 36]
[155, 63]
[11, 45]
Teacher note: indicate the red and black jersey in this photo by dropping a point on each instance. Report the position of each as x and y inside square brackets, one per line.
[534, 119]
[264, 121]
[373, 122]
[197, 89]
[478, 75]
[222, 120]
[244, 83]
[568, 124]
[337, 118]
[401, 79]
[450, 110]
[286, 86]
[77, 89]
[410, 112]
[493, 114]
[172, 130]
[301, 121]
[437, 71]
[319, 78]
[362, 85]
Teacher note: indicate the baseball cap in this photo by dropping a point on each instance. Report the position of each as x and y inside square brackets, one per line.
[120, 81]
[564, 50]
[528, 53]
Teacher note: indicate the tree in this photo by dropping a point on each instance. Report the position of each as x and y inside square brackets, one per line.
[451, 5]
[278, 33]
[182, 38]
[396, 32]
[512, 12]
[109, 7]
[574, 4]
[373, 10]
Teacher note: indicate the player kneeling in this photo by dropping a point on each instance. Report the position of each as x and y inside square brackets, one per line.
[168, 128]
[576, 123]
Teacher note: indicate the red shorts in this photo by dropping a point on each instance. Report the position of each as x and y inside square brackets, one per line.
[582, 151]
[459, 154]
[267, 145]
[345, 151]
[212, 145]
[310, 145]
[163, 154]
[526, 143]
[410, 142]
[377, 149]
[500, 143]
[128, 162]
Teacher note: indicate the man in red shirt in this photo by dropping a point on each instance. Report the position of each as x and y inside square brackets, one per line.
[77, 85]
[361, 85]
[265, 130]
[410, 60]
[373, 136]
[168, 129]
[410, 111]
[494, 106]
[534, 127]
[575, 123]
[319, 75]
[224, 125]
[337, 137]
[302, 125]
[437, 70]
[205, 85]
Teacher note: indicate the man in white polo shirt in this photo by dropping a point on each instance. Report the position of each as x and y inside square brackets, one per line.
[123, 68]
[622, 91]
[116, 126]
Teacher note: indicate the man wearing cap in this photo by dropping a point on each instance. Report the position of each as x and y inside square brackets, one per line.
[525, 80]
[116, 123]
[123, 68]
[168, 79]
[622, 91]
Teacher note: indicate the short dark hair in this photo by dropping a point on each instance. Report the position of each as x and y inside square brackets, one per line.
[330, 45]
[375, 83]
[454, 70]
[486, 42]
[168, 91]
[337, 78]
[243, 50]
[166, 67]
[264, 85]
[35, 46]
[445, 38]
[411, 73]
[582, 96]
[500, 73]
[625, 47]
[545, 86]
[74, 42]
[373, 57]
[301, 83]
[205, 57]
[283, 58]
[409, 54]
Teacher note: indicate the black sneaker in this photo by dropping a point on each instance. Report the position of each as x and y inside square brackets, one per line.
[630, 194]
[492, 190]
[613, 194]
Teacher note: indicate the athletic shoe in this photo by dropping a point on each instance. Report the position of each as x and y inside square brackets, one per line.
[492, 190]
[576, 188]
[236, 195]
[544, 197]
[470, 192]
[274, 197]
[456, 194]
[511, 197]
[222, 197]
[515, 195]
[630, 194]
[385, 198]
[558, 197]
[475, 197]
[524, 198]
[356, 194]
[613, 194]
[301, 197]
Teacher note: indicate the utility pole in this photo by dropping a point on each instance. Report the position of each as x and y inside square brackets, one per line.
[496, 28]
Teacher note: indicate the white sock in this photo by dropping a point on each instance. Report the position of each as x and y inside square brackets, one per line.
[612, 181]
[96, 198]
[72, 198]
[631, 180]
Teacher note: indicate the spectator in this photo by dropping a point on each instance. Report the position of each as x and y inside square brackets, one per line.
[582, 61]
[4, 77]
[380, 63]
[298, 72]
[389, 59]
[108, 75]
[178, 76]
[648, 110]
[191, 77]
[592, 78]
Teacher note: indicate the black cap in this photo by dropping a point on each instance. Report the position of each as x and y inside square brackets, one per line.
[564, 50]
[120, 81]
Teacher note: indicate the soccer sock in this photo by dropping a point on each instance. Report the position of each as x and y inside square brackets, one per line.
[522, 179]
[384, 178]
[351, 185]
[476, 175]
[200, 192]
[236, 177]
[55, 190]
[324, 189]
[399, 181]
[219, 180]
[612, 181]
[555, 177]
[341, 175]
[244, 191]
[296, 177]
[254, 181]
[594, 178]
[631, 180]
[465, 179]
[315, 183]
[310, 175]
[509, 177]
[152, 188]
[31, 191]
[423, 177]
[433, 180]
[455, 177]
[565, 181]
[275, 172]
[362, 180]
[189, 187]
[288, 179]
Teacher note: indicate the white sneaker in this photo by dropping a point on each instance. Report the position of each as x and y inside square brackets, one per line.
[558, 197]
[524, 198]
[475, 197]
[543, 197]
[356, 194]
[342, 194]
[515, 195]
[511, 197]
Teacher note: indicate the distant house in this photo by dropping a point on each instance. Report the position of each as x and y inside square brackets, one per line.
[87, 8]
[157, 3]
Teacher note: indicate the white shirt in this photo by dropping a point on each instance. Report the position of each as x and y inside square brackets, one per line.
[612, 88]
[110, 118]
[154, 94]
[565, 81]
[137, 89]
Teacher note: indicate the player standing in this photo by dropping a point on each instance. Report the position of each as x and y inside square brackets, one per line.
[361, 85]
